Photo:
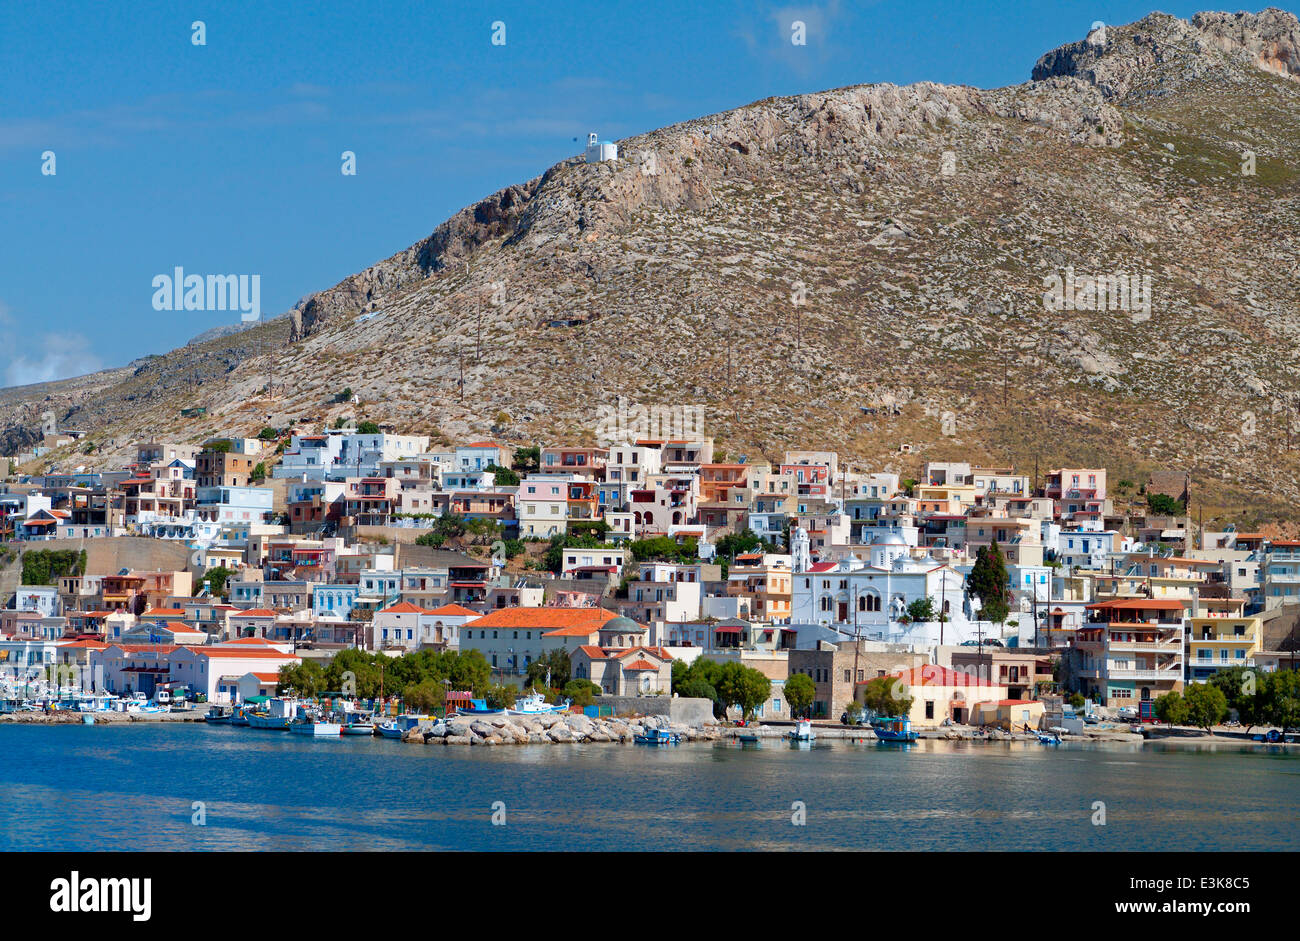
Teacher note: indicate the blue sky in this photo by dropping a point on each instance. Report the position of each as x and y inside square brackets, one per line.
[225, 158]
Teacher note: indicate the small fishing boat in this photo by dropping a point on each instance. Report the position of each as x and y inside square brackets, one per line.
[219, 715]
[748, 738]
[535, 704]
[657, 737]
[803, 731]
[1049, 738]
[479, 707]
[358, 726]
[315, 726]
[398, 726]
[894, 729]
[279, 713]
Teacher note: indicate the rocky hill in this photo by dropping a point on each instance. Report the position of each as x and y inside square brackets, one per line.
[797, 262]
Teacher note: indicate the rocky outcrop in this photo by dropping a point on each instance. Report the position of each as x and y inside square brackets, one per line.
[1161, 50]
[555, 729]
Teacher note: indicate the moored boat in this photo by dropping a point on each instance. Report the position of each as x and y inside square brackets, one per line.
[894, 729]
[220, 715]
[803, 731]
[306, 725]
[535, 704]
[277, 715]
[657, 737]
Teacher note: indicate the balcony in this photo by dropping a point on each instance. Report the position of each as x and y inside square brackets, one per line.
[1173, 672]
[1168, 646]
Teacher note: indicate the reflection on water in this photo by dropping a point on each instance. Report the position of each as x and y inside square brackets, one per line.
[111, 788]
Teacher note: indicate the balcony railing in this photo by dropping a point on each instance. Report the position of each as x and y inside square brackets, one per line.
[1166, 673]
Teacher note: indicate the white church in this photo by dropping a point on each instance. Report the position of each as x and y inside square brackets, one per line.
[868, 597]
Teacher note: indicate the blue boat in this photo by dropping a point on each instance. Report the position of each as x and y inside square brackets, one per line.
[1049, 738]
[657, 737]
[894, 729]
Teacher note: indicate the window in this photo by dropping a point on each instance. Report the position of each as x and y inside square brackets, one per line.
[929, 708]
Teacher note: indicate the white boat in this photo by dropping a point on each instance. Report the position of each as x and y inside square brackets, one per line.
[535, 704]
[316, 727]
[279, 713]
[803, 731]
[391, 729]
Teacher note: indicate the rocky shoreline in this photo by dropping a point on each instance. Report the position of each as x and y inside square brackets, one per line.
[552, 729]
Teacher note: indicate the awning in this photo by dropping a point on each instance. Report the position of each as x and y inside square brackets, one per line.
[719, 629]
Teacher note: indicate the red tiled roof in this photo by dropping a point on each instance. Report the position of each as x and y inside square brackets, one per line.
[221, 651]
[933, 675]
[637, 666]
[257, 613]
[553, 618]
[1151, 604]
[452, 610]
[402, 607]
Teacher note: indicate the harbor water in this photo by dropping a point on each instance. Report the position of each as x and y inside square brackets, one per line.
[197, 787]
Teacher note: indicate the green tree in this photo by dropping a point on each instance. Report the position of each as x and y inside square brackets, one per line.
[215, 578]
[427, 696]
[503, 476]
[1170, 708]
[367, 428]
[799, 693]
[259, 473]
[307, 678]
[887, 696]
[47, 566]
[527, 460]
[1246, 691]
[1161, 504]
[267, 434]
[501, 696]
[1077, 701]
[988, 582]
[743, 687]
[1281, 699]
[922, 609]
[556, 662]
[1206, 705]
[581, 692]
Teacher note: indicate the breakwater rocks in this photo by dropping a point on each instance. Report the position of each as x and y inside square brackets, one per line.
[548, 730]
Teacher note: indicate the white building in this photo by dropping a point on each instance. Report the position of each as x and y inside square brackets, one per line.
[599, 151]
[870, 599]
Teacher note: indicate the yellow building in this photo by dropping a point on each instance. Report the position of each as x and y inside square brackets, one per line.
[1222, 637]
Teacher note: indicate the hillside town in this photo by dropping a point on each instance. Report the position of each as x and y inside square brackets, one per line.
[992, 593]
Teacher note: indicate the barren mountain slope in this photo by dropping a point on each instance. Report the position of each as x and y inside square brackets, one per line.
[668, 277]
